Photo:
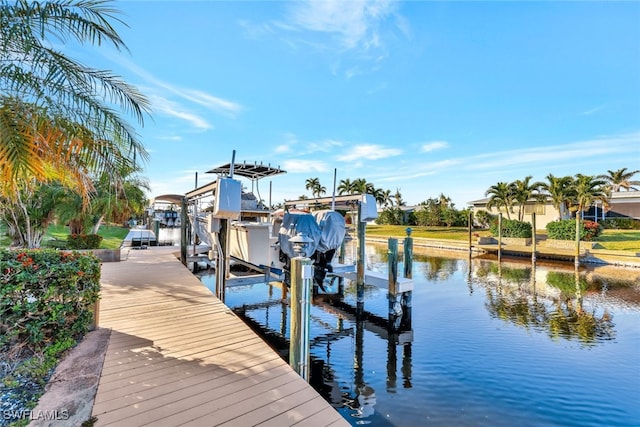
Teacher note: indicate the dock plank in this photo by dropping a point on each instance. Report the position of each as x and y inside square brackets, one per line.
[178, 356]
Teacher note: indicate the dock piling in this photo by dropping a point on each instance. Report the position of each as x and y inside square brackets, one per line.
[395, 310]
[361, 227]
[408, 273]
[299, 347]
[533, 241]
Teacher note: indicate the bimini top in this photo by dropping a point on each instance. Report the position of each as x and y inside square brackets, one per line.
[253, 171]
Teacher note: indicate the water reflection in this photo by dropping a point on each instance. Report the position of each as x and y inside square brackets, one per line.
[512, 295]
[455, 356]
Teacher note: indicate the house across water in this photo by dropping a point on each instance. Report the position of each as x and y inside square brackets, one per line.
[622, 204]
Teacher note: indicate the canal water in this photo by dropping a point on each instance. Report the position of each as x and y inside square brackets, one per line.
[489, 343]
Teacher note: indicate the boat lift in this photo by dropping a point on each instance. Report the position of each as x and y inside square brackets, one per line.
[212, 224]
[219, 225]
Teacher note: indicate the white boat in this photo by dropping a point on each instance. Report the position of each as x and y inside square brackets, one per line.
[140, 237]
[258, 239]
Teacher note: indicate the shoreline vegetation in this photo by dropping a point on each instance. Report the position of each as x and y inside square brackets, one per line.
[627, 241]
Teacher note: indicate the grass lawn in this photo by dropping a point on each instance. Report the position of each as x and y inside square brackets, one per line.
[4, 240]
[112, 236]
[618, 240]
[441, 233]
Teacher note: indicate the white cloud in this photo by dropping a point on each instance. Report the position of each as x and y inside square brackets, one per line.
[354, 23]
[560, 154]
[212, 102]
[434, 145]
[353, 33]
[173, 109]
[306, 166]
[164, 89]
[478, 172]
[368, 152]
[593, 110]
[324, 146]
[170, 138]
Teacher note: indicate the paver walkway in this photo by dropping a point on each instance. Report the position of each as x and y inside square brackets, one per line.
[178, 356]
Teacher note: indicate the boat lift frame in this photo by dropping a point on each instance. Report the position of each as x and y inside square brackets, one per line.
[222, 258]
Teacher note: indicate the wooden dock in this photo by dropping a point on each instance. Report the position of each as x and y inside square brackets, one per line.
[178, 356]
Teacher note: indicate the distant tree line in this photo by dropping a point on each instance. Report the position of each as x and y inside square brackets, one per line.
[568, 194]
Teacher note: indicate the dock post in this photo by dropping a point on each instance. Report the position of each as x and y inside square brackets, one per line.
[395, 310]
[301, 282]
[360, 262]
[577, 259]
[533, 241]
[499, 236]
[408, 273]
[408, 254]
[222, 263]
[183, 231]
[470, 227]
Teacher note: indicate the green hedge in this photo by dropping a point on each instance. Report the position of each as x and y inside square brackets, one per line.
[83, 241]
[46, 296]
[566, 230]
[620, 223]
[511, 228]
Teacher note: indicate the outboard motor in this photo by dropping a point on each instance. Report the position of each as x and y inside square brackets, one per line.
[292, 225]
[332, 226]
[325, 228]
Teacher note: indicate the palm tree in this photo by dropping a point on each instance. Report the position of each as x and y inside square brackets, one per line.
[29, 212]
[444, 201]
[56, 115]
[361, 186]
[398, 198]
[385, 198]
[501, 196]
[523, 191]
[345, 186]
[118, 200]
[317, 189]
[616, 180]
[560, 191]
[586, 190]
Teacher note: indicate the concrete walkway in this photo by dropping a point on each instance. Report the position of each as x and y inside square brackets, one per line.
[179, 356]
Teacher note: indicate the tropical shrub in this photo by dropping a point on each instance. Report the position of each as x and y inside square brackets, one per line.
[428, 215]
[592, 230]
[511, 228]
[390, 216]
[565, 229]
[46, 296]
[83, 241]
[620, 223]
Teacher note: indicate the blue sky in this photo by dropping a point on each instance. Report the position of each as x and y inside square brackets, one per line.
[427, 97]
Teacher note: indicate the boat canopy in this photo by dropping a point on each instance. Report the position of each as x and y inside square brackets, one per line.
[332, 227]
[298, 223]
[253, 171]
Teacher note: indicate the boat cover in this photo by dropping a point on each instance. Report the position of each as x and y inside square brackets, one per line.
[332, 227]
[294, 223]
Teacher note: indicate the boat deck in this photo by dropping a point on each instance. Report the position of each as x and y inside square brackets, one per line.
[178, 356]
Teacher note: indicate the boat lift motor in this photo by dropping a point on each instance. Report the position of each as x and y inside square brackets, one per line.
[333, 228]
